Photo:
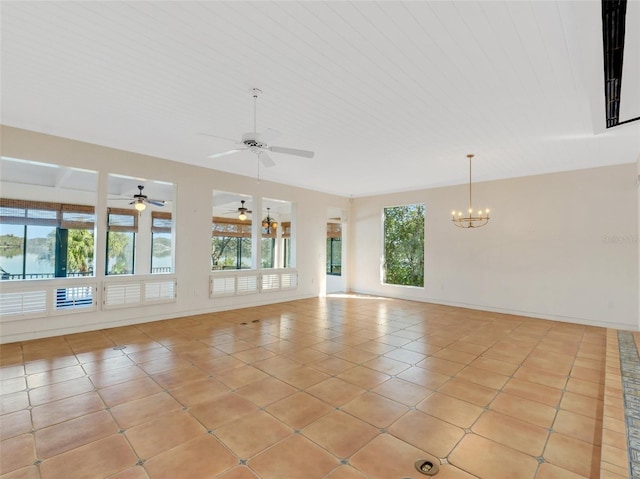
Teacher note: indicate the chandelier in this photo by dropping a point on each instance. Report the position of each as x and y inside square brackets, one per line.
[269, 224]
[470, 221]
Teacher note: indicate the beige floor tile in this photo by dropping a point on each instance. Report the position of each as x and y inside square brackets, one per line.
[588, 374]
[455, 356]
[550, 471]
[376, 410]
[489, 460]
[374, 458]
[572, 454]
[115, 362]
[203, 456]
[452, 410]
[533, 391]
[29, 472]
[239, 472]
[424, 377]
[470, 392]
[158, 435]
[293, 457]
[13, 402]
[15, 424]
[299, 410]
[34, 367]
[584, 405]
[299, 379]
[266, 391]
[115, 376]
[511, 432]
[16, 453]
[340, 433]
[335, 391]
[483, 377]
[546, 378]
[60, 390]
[578, 426]
[136, 412]
[364, 377]
[135, 472]
[585, 388]
[345, 472]
[68, 435]
[65, 409]
[12, 385]
[252, 433]
[221, 410]
[241, 376]
[357, 356]
[427, 433]
[386, 365]
[406, 356]
[101, 458]
[520, 408]
[402, 391]
[494, 365]
[442, 366]
[129, 391]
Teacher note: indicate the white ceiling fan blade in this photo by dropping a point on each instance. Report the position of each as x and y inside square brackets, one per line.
[216, 136]
[269, 135]
[156, 202]
[292, 151]
[225, 153]
[266, 160]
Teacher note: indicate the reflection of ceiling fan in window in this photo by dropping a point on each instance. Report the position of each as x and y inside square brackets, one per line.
[258, 143]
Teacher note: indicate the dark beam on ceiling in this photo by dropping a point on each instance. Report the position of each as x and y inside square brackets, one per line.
[614, 14]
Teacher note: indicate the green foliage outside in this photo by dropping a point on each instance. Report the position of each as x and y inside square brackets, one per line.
[80, 251]
[11, 245]
[120, 252]
[230, 252]
[404, 245]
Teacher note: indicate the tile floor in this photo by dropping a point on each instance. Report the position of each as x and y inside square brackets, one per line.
[335, 388]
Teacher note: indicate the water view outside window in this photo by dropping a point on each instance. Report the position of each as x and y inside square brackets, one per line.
[161, 242]
[40, 240]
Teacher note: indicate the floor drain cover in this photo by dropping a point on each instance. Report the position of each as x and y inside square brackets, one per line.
[426, 467]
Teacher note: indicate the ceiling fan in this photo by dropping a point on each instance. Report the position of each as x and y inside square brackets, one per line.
[242, 211]
[258, 143]
[140, 201]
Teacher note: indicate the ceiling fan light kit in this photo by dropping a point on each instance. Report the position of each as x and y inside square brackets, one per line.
[140, 200]
[242, 210]
[470, 221]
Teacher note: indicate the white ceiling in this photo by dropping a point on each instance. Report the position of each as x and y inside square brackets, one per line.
[390, 95]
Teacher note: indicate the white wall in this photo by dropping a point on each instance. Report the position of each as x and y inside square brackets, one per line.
[559, 246]
[194, 188]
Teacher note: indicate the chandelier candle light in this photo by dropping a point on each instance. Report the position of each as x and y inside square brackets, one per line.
[470, 221]
[269, 224]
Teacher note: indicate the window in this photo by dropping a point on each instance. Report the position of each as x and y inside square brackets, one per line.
[161, 243]
[45, 240]
[230, 243]
[277, 238]
[334, 249]
[122, 226]
[404, 245]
